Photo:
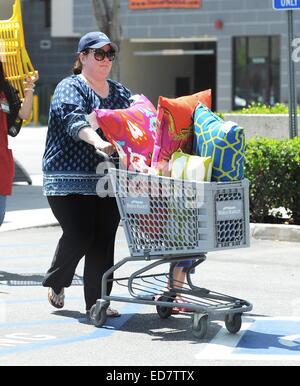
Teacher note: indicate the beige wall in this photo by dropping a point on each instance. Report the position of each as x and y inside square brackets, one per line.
[156, 74]
[62, 19]
[6, 9]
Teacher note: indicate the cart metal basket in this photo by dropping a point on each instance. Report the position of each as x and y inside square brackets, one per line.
[167, 221]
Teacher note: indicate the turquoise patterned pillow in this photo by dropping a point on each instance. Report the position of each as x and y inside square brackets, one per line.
[223, 141]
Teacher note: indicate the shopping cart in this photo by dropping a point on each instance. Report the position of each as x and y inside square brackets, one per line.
[167, 221]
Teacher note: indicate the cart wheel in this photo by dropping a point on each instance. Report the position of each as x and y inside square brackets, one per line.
[200, 324]
[163, 311]
[233, 322]
[98, 318]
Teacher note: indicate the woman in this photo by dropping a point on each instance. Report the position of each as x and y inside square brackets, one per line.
[10, 109]
[89, 223]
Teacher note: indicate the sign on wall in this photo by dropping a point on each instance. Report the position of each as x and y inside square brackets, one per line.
[286, 4]
[146, 4]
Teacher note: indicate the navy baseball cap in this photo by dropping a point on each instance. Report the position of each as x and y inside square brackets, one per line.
[94, 40]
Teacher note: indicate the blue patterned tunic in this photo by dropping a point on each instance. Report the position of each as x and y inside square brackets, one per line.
[69, 164]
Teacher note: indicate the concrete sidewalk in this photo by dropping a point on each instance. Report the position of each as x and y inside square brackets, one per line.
[28, 208]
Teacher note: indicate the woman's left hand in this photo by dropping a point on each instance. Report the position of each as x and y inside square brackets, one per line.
[30, 81]
[29, 85]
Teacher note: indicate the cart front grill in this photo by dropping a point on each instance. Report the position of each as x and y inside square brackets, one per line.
[166, 216]
[230, 224]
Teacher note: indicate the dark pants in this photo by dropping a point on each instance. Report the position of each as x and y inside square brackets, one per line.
[89, 225]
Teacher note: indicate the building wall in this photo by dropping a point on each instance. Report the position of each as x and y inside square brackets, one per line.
[54, 60]
[53, 57]
[6, 9]
[239, 17]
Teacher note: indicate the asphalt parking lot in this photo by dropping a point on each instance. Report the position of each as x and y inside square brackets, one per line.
[34, 333]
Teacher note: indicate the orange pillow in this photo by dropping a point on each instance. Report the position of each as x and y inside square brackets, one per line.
[174, 128]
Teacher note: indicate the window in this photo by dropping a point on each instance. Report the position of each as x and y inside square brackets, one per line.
[256, 70]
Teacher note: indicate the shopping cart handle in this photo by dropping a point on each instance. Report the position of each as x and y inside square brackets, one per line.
[103, 155]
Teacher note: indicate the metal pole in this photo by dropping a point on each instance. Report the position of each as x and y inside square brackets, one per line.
[293, 124]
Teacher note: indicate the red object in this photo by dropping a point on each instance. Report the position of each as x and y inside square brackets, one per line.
[131, 131]
[6, 157]
[174, 127]
[218, 24]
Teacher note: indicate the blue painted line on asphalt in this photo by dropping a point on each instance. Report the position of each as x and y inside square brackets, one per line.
[37, 300]
[113, 324]
[25, 257]
[265, 337]
[27, 244]
[118, 254]
[31, 270]
[38, 244]
[39, 323]
[36, 271]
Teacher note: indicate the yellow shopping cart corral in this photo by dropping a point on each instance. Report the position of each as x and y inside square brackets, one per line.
[15, 59]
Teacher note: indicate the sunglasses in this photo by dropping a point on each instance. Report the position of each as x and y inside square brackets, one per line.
[100, 54]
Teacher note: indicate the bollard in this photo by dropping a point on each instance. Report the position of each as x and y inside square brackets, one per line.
[35, 109]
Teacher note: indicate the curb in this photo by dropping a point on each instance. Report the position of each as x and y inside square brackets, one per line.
[276, 232]
[26, 219]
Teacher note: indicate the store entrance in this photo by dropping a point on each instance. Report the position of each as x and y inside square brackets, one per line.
[205, 69]
[170, 69]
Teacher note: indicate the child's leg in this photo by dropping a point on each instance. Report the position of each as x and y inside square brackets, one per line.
[178, 277]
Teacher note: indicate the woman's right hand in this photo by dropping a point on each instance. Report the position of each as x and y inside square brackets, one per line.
[90, 136]
[106, 147]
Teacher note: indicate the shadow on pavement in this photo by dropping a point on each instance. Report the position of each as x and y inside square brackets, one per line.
[81, 317]
[15, 279]
[29, 279]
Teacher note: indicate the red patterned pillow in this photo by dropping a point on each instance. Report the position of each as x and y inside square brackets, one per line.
[131, 131]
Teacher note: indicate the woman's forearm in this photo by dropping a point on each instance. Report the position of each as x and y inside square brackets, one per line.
[90, 136]
[26, 107]
[29, 85]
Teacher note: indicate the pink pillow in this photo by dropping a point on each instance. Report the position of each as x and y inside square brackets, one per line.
[131, 131]
[175, 128]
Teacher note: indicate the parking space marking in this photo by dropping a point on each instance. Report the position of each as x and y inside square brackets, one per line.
[111, 326]
[15, 339]
[40, 244]
[37, 244]
[270, 338]
[119, 253]
[34, 300]
[25, 257]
